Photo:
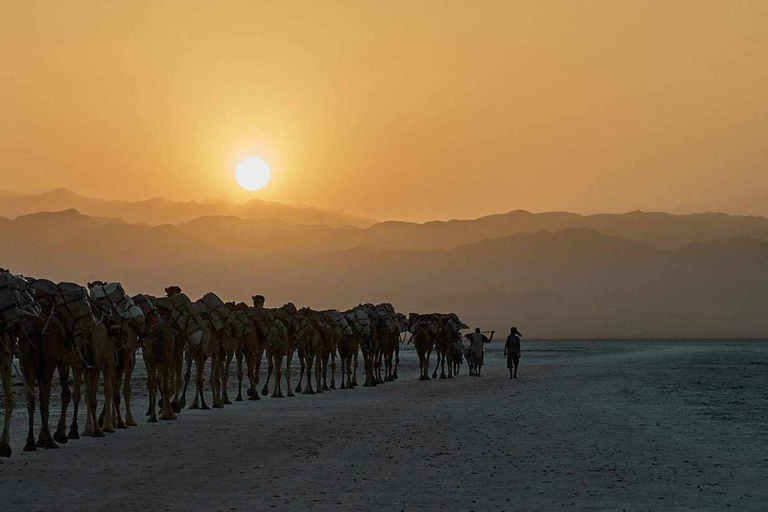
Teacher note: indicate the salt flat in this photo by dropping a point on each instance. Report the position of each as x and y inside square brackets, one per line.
[590, 425]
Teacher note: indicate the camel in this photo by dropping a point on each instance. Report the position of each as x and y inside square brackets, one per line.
[443, 347]
[369, 343]
[245, 342]
[90, 355]
[423, 340]
[41, 347]
[125, 337]
[340, 329]
[197, 354]
[313, 337]
[447, 332]
[159, 350]
[349, 346]
[126, 333]
[281, 344]
[201, 343]
[229, 347]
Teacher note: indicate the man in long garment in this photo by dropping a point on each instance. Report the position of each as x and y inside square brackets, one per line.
[476, 342]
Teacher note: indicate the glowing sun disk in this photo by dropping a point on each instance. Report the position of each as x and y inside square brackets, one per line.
[253, 173]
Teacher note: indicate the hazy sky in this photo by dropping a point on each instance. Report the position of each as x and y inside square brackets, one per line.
[393, 109]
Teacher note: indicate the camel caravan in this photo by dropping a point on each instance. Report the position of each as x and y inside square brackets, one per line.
[91, 336]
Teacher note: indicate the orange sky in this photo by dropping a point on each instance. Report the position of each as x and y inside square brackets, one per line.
[393, 109]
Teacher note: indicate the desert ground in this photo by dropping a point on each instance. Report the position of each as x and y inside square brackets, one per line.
[589, 425]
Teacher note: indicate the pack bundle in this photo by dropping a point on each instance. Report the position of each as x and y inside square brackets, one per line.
[288, 315]
[337, 319]
[112, 297]
[316, 319]
[239, 322]
[451, 321]
[431, 321]
[179, 311]
[71, 304]
[147, 307]
[213, 309]
[387, 316]
[262, 318]
[358, 320]
[16, 301]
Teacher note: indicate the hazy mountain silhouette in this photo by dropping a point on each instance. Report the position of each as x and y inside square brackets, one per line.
[159, 211]
[576, 282]
[660, 229]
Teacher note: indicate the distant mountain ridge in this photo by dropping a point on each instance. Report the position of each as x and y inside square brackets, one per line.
[159, 210]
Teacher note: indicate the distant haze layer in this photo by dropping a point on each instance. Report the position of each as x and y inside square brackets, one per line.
[552, 274]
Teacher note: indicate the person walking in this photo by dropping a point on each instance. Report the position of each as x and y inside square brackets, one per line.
[476, 342]
[512, 351]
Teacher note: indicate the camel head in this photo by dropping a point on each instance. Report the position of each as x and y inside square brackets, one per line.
[258, 301]
[172, 290]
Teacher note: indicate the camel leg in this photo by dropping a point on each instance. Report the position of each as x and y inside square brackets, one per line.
[253, 380]
[77, 377]
[92, 427]
[176, 378]
[421, 364]
[166, 376]
[426, 364]
[227, 363]
[354, 371]
[310, 363]
[437, 364]
[215, 380]
[397, 358]
[379, 364]
[61, 429]
[239, 356]
[325, 373]
[302, 362]
[109, 393]
[200, 382]
[187, 377]
[342, 374]
[29, 388]
[45, 440]
[277, 364]
[319, 376]
[366, 369]
[152, 388]
[257, 373]
[310, 360]
[130, 365]
[6, 362]
[117, 382]
[270, 368]
[288, 373]
[442, 366]
[333, 369]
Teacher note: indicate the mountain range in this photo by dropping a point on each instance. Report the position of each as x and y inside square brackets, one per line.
[159, 210]
[554, 274]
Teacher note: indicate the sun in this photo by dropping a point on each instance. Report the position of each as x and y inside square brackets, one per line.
[253, 173]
